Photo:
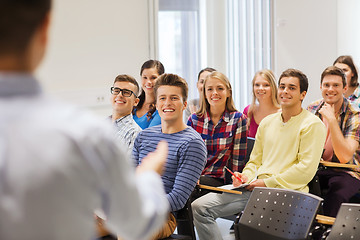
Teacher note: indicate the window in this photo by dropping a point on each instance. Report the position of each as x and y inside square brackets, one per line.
[182, 35]
[178, 39]
[249, 44]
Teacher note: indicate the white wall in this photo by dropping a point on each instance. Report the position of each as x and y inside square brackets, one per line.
[348, 29]
[305, 38]
[216, 34]
[91, 42]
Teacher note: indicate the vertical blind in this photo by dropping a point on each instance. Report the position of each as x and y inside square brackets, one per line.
[249, 44]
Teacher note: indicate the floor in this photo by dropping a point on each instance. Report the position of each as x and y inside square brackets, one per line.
[225, 229]
[224, 226]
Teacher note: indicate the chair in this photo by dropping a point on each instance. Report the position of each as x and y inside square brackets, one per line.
[347, 223]
[249, 146]
[273, 213]
[185, 225]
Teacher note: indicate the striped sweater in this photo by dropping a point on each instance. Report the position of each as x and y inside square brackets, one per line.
[186, 160]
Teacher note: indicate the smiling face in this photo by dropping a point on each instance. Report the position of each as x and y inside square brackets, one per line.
[332, 89]
[347, 70]
[148, 79]
[261, 88]
[200, 83]
[121, 105]
[170, 103]
[289, 92]
[216, 93]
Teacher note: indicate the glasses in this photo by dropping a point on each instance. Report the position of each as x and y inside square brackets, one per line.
[125, 92]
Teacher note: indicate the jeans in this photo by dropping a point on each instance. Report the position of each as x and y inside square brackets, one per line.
[209, 207]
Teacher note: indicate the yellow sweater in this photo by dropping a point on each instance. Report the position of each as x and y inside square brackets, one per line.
[287, 155]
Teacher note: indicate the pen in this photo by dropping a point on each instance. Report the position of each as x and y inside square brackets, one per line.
[233, 174]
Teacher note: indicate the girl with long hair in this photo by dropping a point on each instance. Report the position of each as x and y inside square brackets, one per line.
[145, 113]
[264, 101]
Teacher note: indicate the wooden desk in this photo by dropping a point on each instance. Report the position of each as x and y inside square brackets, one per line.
[340, 165]
[216, 189]
[325, 219]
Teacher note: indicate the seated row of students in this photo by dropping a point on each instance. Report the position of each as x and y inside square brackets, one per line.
[288, 145]
[187, 151]
[223, 130]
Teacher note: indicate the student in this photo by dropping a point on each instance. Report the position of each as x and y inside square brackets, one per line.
[58, 164]
[342, 122]
[145, 113]
[223, 129]
[123, 99]
[265, 93]
[187, 151]
[352, 92]
[286, 154]
[194, 104]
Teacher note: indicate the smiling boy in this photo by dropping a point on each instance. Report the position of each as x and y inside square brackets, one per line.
[342, 122]
[123, 99]
[187, 151]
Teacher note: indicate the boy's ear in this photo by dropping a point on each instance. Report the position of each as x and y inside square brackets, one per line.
[185, 105]
[302, 95]
[137, 100]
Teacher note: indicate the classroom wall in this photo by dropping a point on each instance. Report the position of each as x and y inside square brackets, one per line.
[348, 36]
[305, 38]
[90, 43]
[216, 34]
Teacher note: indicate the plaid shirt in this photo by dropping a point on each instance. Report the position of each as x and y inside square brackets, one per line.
[349, 120]
[354, 98]
[225, 142]
[126, 130]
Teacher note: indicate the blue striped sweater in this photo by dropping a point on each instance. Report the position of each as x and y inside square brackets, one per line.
[186, 160]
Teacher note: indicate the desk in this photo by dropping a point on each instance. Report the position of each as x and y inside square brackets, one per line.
[325, 219]
[340, 165]
[217, 189]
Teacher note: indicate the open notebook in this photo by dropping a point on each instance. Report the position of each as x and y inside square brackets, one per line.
[231, 187]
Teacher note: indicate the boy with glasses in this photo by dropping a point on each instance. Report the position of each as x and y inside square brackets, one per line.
[123, 99]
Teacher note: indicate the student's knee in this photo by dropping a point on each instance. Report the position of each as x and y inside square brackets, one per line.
[198, 208]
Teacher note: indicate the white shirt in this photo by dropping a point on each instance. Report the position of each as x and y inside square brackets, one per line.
[58, 164]
[127, 130]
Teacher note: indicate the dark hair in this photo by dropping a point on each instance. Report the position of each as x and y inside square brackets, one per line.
[346, 59]
[207, 69]
[303, 80]
[160, 70]
[169, 79]
[128, 78]
[153, 64]
[19, 20]
[332, 70]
